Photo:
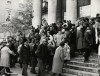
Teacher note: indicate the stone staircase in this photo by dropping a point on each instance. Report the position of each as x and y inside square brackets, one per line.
[77, 67]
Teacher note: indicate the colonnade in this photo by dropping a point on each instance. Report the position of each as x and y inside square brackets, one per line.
[71, 10]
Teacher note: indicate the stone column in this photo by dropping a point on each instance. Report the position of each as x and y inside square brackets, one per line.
[59, 11]
[37, 11]
[52, 10]
[71, 10]
[95, 7]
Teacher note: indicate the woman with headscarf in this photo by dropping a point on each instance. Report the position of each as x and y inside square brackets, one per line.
[58, 60]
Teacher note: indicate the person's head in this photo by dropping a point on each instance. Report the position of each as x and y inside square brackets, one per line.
[64, 21]
[20, 40]
[26, 43]
[8, 45]
[51, 28]
[92, 21]
[49, 42]
[88, 29]
[32, 30]
[13, 41]
[48, 33]
[63, 31]
[69, 21]
[59, 31]
[4, 42]
[62, 44]
[97, 20]
[73, 26]
[97, 15]
[33, 41]
[80, 27]
[44, 41]
[66, 41]
[86, 19]
[9, 39]
[38, 26]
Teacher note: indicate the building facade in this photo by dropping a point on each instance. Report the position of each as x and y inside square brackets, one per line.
[59, 10]
[51, 11]
[8, 9]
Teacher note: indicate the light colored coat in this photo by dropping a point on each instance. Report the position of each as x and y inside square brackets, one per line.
[58, 60]
[58, 39]
[79, 39]
[5, 57]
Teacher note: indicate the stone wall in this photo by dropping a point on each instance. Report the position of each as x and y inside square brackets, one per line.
[10, 30]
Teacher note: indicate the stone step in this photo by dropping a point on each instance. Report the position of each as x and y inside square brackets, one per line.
[82, 60]
[82, 68]
[91, 58]
[92, 55]
[66, 74]
[77, 63]
[78, 72]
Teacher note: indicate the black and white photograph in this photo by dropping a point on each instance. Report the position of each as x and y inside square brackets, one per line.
[49, 37]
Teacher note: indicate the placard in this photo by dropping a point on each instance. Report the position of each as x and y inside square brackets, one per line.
[85, 11]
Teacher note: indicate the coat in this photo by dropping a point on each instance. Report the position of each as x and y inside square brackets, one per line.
[25, 54]
[58, 60]
[88, 39]
[58, 39]
[5, 57]
[33, 48]
[42, 52]
[72, 42]
[79, 39]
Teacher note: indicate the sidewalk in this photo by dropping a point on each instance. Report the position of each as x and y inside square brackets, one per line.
[18, 70]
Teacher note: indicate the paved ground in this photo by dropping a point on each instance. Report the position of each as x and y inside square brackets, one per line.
[18, 70]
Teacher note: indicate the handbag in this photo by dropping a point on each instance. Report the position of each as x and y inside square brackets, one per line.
[66, 52]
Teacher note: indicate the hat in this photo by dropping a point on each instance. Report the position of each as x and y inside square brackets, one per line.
[25, 39]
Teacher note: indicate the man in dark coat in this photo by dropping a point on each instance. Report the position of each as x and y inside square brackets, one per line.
[42, 55]
[87, 43]
[72, 41]
[25, 57]
[33, 48]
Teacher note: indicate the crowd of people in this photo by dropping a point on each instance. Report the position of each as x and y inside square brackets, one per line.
[49, 47]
